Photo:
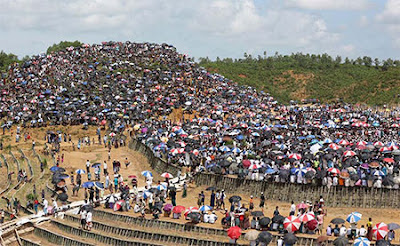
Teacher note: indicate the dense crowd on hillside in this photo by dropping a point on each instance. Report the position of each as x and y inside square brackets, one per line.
[228, 128]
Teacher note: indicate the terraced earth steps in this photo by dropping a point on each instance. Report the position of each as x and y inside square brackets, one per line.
[100, 237]
[159, 236]
[171, 228]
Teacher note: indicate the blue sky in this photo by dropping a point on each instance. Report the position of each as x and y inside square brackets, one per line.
[199, 28]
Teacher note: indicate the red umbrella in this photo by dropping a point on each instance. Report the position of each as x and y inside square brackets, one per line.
[132, 177]
[349, 153]
[234, 232]
[295, 156]
[246, 163]
[312, 224]
[103, 122]
[307, 217]
[333, 170]
[291, 223]
[388, 160]
[167, 175]
[380, 230]
[178, 209]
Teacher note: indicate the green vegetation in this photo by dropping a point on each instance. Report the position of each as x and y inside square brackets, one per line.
[8, 59]
[304, 76]
[63, 45]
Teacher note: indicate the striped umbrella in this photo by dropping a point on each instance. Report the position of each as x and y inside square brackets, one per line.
[334, 146]
[307, 217]
[378, 144]
[354, 217]
[344, 142]
[147, 174]
[380, 230]
[205, 208]
[291, 223]
[349, 153]
[378, 173]
[333, 170]
[236, 150]
[167, 175]
[295, 156]
[254, 166]
[361, 241]
[224, 149]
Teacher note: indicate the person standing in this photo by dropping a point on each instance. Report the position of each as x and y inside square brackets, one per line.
[2, 214]
[45, 206]
[369, 229]
[212, 199]
[172, 194]
[262, 201]
[89, 217]
[184, 193]
[292, 209]
[87, 166]
[83, 219]
[105, 168]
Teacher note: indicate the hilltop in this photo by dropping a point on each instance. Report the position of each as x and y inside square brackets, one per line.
[299, 76]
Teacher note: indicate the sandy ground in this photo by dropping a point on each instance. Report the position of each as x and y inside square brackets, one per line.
[97, 153]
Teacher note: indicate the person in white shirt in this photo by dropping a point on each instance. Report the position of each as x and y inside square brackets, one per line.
[206, 218]
[105, 168]
[89, 221]
[83, 219]
[45, 206]
[279, 242]
[362, 232]
[292, 209]
[343, 231]
[213, 218]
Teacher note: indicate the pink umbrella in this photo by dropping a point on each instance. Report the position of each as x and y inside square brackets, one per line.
[380, 230]
[302, 205]
[291, 223]
[246, 163]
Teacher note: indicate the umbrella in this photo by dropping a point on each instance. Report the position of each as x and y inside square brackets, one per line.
[178, 209]
[132, 177]
[341, 241]
[211, 188]
[251, 235]
[302, 205]
[87, 207]
[57, 169]
[264, 221]
[380, 230]
[361, 241]
[334, 170]
[354, 217]
[80, 171]
[118, 205]
[161, 187]
[295, 156]
[99, 185]
[147, 174]
[257, 213]
[291, 223]
[194, 216]
[63, 176]
[312, 224]
[337, 221]
[96, 164]
[87, 184]
[246, 163]
[264, 237]
[167, 175]
[388, 160]
[393, 226]
[61, 184]
[234, 232]
[378, 173]
[205, 208]
[63, 197]
[168, 207]
[278, 218]
[382, 243]
[307, 217]
[289, 239]
[233, 199]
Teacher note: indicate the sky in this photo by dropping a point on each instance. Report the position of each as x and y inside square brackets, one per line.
[201, 28]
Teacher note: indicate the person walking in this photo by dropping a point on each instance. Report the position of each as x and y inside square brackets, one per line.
[262, 201]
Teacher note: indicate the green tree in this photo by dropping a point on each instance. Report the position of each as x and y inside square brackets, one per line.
[63, 45]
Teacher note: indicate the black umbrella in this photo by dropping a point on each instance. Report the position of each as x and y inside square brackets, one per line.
[233, 199]
[388, 181]
[154, 190]
[309, 174]
[194, 216]
[382, 242]
[289, 238]
[264, 237]
[393, 226]
[63, 197]
[257, 213]
[341, 241]
[264, 222]
[354, 177]
[171, 188]
[211, 188]
[87, 207]
[337, 221]
[278, 218]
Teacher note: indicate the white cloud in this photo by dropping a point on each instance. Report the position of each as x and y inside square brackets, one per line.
[200, 28]
[329, 4]
[389, 18]
[363, 21]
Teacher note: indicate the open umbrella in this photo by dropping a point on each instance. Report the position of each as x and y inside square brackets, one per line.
[167, 175]
[96, 164]
[380, 230]
[278, 218]
[251, 235]
[312, 224]
[257, 213]
[211, 188]
[194, 216]
[354, 217]
[307, 217]
[264, 237]
[63, 197]
[56, 169]
[234, 232]
[302, 205]
[80, 171]
[205, 208]
[393, 226]
[88, 184]
[341, 241]
[233, 199]
[99, 185]
[291, 223]
[361, 241]
[289, 239]
[132, 176]
[147, 174]
[264, 221]
[168, 207]
[337, 221]
[178, 209]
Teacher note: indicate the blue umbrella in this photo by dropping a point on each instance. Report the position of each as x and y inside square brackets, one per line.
[213, 148]
[147, 174]
[87, 184]
[54, 169]
[240, 137]
[270, 171]
[293, 170]
[205, 208]
[224, 148]
[161, 187]
[99, 185]
[96, 164]
[310, 136]
[378, 173]
[354, 217]
[302, 170]
[80, 171]
[236, 150]
[361, 241]
[63, 176]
